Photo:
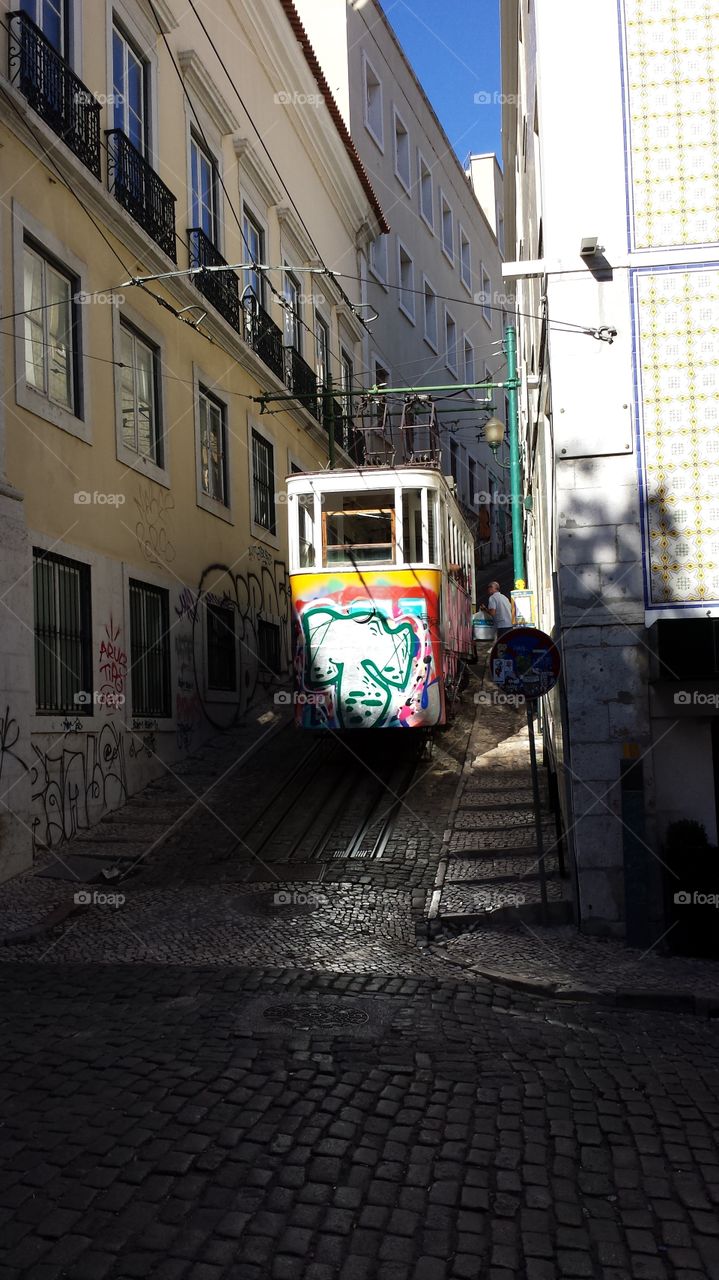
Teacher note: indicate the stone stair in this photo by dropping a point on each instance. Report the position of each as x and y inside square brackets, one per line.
[490, 868]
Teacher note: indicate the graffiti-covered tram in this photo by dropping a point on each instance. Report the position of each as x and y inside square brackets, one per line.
[382, 583]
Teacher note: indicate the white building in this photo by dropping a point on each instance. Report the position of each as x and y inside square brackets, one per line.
[610, 138]
[435, 280]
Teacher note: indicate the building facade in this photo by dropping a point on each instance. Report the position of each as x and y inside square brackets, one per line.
[143, 541]
[610, 172]
[432, 286]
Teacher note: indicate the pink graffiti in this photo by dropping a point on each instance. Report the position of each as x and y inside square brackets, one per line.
[113, 667]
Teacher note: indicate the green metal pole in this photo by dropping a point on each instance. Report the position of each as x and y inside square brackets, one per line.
[329, 416]
[515, 475]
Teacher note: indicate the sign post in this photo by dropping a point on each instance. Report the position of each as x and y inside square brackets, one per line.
[525, 662]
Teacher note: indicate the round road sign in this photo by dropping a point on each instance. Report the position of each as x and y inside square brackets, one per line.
[524, 660]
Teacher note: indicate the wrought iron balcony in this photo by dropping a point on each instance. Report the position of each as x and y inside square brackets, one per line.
[53, 90]
[141, 191]
[302, 380]
[263, 335]
[221, 288]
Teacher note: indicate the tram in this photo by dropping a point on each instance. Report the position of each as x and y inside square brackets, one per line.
[382, 582]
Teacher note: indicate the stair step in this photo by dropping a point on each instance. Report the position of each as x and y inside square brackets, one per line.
[489, 870]
[528, 913]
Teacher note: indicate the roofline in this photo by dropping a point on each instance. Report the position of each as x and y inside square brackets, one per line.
[313, 62]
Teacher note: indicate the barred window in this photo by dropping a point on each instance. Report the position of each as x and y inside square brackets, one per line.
[149, 650]
[263, 482]
[221, 648]
[63, 658]
[268, 646]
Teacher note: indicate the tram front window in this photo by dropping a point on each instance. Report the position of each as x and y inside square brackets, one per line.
[306, 520]
[358, 528]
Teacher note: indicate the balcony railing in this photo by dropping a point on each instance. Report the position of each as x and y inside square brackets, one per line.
[302, 380]
[221, 288]
[53, 90]
[141, 191]
[263, 335]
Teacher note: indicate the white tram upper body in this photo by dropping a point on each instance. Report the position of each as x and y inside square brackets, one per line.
[382, 581]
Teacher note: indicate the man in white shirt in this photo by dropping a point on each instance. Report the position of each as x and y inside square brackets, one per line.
[498, 609]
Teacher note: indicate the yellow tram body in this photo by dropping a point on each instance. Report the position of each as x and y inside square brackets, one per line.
[381, 576]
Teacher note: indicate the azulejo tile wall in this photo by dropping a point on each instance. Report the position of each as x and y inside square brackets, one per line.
[671, 56]
[677, 317]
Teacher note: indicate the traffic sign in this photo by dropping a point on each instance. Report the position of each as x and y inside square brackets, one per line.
[524, 660]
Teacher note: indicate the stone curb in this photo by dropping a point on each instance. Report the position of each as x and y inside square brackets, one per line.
[662, 999]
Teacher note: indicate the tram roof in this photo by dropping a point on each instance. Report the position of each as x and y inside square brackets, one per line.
[372, 478]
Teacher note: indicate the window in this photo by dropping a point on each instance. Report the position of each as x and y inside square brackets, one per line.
[426, 199]
[50, 329]
[373, 103]
[63, 655]
[306, 529]
[347, 377]
[322, 345]
[51, 17]
[401, 151]
[450, 336]
[221, 648]
[358, 528]
[465, 260]
[263, 482]
[149, 649]
[378, 258]
[292, 312]
[447, 222]
[430, 315]
[469, 373]
[129, 90]
[254, 248]
[204, 190]
[486, 297]
[454, 465]
[139, 400]
[406, 282]
[268, 646]
[213, 468]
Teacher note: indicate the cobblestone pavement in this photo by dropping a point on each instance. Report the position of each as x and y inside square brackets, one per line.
[195, 1124]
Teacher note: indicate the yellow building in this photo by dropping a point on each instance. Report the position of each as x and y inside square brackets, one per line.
[143, 541]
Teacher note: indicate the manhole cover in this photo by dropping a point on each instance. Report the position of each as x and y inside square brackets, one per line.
[306, 1017]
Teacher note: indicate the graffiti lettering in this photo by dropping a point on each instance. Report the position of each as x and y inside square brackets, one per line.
[72, 787]
[154, 508]
[113, 666]
[9, 737]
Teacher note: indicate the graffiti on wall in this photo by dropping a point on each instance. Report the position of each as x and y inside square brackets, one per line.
[154, 513]
[72, 786]
[369, 645]
[112, 668]
[9, 738]
[257, 594]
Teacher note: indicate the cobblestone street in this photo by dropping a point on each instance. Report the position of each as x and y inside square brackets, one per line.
[256, 1067]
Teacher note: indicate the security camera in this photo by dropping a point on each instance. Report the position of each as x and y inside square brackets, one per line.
[590, 247]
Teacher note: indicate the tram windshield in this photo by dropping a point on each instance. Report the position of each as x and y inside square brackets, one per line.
[358, 528]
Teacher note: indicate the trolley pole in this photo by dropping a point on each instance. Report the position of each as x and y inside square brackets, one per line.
[515, 477]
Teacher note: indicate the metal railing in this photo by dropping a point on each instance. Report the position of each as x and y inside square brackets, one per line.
[140, 190]
[221, 288]
[54, 91]
[301, 379]
[263, 335]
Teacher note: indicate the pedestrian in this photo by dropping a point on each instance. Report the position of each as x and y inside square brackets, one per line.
[498, 608]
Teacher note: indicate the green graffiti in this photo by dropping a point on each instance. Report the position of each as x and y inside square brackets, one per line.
[363, 657]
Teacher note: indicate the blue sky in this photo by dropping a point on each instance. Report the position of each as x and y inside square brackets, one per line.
[454, 49]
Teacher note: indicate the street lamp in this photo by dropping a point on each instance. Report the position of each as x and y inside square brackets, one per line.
[494, 434]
